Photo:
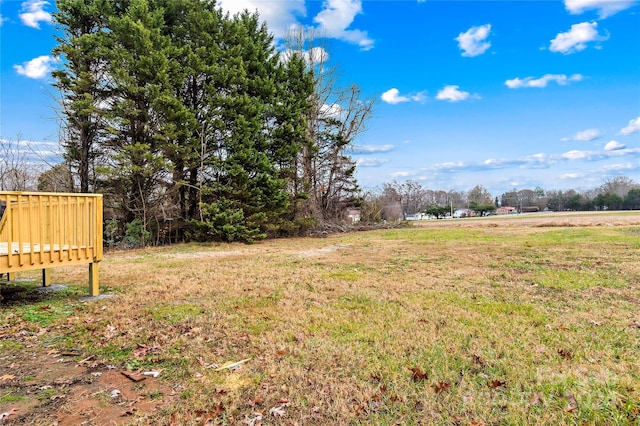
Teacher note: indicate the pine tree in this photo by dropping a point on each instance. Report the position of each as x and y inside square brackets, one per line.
[83, 83]
[140, 70]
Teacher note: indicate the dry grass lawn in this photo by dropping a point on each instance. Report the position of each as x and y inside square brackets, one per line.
[530, 319]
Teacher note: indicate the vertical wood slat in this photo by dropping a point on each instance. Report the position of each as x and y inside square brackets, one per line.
[70, 229]
[51, 228]
[9, 226]
[97, 228]
[61, 230]
[42, 222]
[85, 227]
[19, 223]
[31, 222]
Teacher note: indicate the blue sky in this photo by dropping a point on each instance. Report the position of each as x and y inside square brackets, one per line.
[504, 94]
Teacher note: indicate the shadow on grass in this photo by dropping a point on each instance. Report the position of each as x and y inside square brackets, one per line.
[26, 291]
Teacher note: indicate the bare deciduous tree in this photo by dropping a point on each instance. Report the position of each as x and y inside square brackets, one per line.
[336, 116]
[17, 172]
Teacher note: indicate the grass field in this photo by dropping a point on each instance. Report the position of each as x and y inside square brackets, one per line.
[507, 321]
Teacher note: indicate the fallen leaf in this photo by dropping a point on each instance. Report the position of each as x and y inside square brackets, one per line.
[596, 323]
[418, 374]
[565, 353]
[536, 399]
[441, 387]
[477, 359]
[635, 324]
[129, 412]
[7, 377]
[60, 396]
[217, 410]
[133, 377]
[256, 401]
[252, 421]
[277, 411]
[497, 384]
[572, 403]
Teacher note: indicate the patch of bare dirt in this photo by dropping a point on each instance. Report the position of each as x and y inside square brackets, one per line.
[201, 254]
[53, 388]
[323, 250]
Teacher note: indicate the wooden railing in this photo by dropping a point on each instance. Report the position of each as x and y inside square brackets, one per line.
[47, 230]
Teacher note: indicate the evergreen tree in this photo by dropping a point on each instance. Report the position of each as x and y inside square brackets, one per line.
[83, 83]
[140, 68]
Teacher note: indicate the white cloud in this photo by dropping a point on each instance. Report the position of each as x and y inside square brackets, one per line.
[577, 155]
[585, 135]
[613, 145]
[281, 16]
[371, 162]
[402, 174]
[33, 13]
[392, 96]
[605, 8]
[450, 165]
[419, 97]
[566, 176]
[633, 127]
[313, 56]
[371, 149]
[452, 93]
[473, 41]
[619, 167]
[331, 111]
[337, 16]
[576, 38]
[38, 67]
[543, 81]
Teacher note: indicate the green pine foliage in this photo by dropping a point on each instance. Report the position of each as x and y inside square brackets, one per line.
[180, 113]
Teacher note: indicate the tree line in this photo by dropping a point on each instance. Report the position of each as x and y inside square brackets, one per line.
[193, 125]
[399, 200]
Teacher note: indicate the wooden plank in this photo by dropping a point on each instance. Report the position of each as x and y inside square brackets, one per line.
[46, 277]
[94, 284]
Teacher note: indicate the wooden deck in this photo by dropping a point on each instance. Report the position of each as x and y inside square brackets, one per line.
[48, 230]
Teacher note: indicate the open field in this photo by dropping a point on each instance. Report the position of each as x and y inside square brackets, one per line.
[527, 319]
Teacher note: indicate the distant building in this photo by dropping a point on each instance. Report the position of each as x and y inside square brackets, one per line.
[353, 215]
[506, 210]
[416, 216]
[530, 209]
[463, 213]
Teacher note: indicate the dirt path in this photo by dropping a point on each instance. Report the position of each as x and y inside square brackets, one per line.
[38, 387]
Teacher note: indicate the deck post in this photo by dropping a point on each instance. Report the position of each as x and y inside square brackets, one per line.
[94, 288]
[46, 277]
[11, 276]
